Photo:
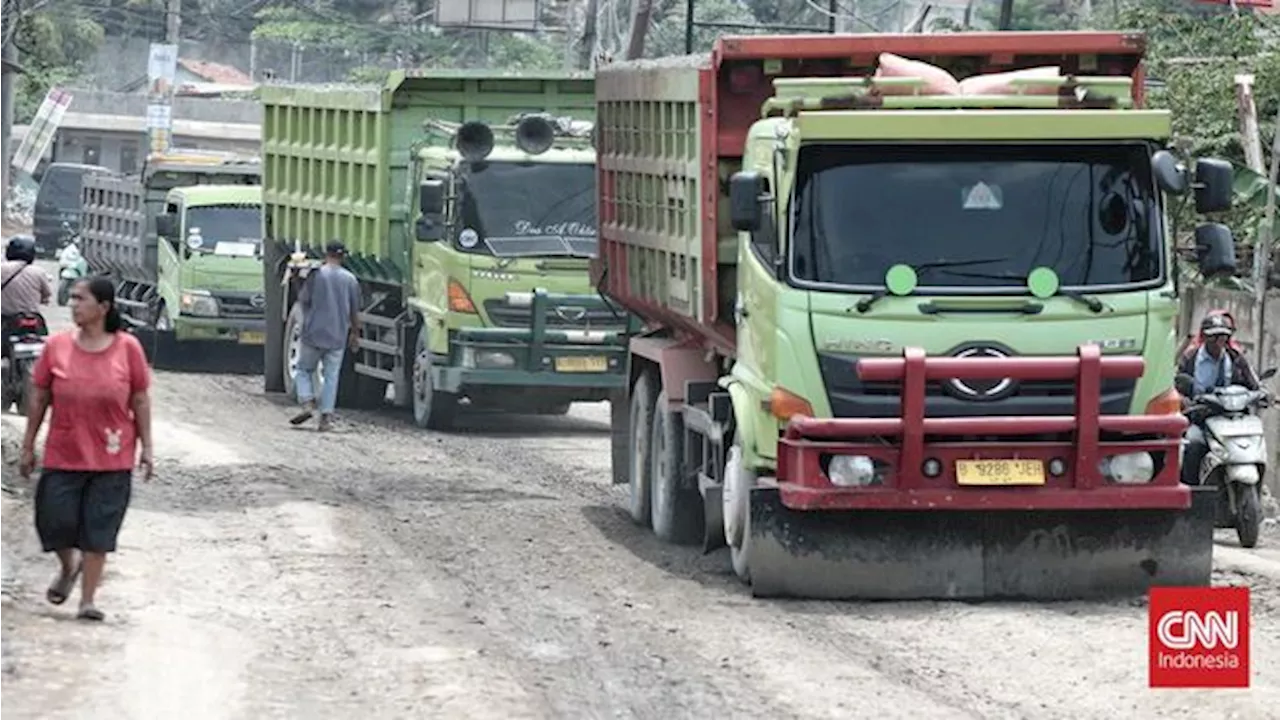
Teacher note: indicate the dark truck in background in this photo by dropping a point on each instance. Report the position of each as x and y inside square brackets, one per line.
[56, 216]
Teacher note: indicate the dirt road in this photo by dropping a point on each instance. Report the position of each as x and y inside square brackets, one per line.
[382, 570]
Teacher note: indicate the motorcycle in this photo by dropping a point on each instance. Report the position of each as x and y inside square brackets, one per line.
[1236, 458]
[71, 267]
[25, 340]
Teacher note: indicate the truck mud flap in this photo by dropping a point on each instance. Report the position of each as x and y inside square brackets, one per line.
[164, 352]
[1050, 555]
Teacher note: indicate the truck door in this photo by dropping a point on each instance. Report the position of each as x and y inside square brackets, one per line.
[169, 253]
[755, 312]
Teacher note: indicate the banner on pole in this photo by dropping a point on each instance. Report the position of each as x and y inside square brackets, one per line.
[162, 71]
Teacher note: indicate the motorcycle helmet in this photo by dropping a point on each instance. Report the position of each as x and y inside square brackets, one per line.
[1217, 324]
[21, 247]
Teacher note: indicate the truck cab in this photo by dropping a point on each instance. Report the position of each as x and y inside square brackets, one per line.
[505, 235]
[209, 261]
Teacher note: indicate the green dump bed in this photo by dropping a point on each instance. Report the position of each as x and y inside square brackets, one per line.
[336, 158]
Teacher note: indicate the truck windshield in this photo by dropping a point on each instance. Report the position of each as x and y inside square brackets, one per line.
[235, 225]
[522, 209]
[976, 216]
[60, 189]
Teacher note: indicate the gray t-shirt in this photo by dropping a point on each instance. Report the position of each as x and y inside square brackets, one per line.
[329, 298]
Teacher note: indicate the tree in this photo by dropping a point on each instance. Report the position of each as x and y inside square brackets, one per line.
[54, 38]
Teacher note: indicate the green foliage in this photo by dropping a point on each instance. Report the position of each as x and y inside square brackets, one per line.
[53, 45]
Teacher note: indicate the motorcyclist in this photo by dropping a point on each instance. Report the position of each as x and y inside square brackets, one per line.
[1218, 362]
[25, 287]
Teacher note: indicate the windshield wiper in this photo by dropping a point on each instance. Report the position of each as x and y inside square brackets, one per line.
[1094, 304]
[865, 304]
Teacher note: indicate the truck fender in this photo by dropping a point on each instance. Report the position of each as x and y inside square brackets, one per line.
[678, 363]
[743, 423]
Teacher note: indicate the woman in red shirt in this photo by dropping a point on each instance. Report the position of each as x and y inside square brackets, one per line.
[95, 378]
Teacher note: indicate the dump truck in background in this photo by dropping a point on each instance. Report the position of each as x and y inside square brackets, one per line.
[183, 242]
[901, 343]
[467, 205]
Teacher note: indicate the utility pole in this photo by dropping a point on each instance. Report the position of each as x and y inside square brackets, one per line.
[640, 27]
[173, 22]
[587, 42]
[8, 77]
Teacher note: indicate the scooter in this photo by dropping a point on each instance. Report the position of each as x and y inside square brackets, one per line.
[71, 267]
[26, 341]
[1237, 453]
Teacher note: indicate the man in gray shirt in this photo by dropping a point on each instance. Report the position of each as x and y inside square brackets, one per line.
[330, 301]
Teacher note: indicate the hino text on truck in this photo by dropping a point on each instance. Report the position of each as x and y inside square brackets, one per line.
[906, 337]
[183, 242]
[467, 204]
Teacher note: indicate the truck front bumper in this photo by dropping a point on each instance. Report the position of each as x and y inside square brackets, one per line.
[912, 462]
[245, 331]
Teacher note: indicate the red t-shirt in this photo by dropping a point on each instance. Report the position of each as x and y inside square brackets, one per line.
[92, 426]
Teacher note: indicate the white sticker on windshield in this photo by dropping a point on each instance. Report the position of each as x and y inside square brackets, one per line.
[983, 197]
[235, 249]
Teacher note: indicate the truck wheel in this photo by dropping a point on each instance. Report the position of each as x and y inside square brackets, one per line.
[162, 322]
[736, 498]
[639, 459]
[676, 509]
[619, 436]
[1248, 515]
[431, 409]
[292, 348]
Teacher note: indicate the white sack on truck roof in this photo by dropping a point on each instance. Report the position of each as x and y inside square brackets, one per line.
[1001, 83]
[937, 81]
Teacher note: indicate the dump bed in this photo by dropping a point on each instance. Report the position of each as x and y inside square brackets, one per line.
[118, 212]
[337, 158]
[670, 132]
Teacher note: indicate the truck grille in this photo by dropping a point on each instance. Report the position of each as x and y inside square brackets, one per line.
[566, 315]
[247, 305]
[851, 397]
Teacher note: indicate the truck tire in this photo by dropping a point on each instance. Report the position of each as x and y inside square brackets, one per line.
[676, 509]
[432, 409]
[292, 345]
[736, 498]
[639, 458]
[619, 436]
[162, 322]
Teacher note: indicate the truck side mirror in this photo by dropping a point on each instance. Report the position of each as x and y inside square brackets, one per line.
[1215, 249]
[746, 191]
[167, 225]
[430, 225]
[1169, 176]
[1214, 185]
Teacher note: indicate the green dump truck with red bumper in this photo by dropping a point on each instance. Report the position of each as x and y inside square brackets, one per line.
[467, 204]
[899, 343]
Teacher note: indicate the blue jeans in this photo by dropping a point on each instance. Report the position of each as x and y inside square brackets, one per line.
[309, 358]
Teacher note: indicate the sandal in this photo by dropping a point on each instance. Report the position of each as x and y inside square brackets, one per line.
[91, 613]
[61, 588]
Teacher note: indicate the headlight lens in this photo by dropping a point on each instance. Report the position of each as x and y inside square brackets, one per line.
[853, 471]
[1128, 469]
[199, 303]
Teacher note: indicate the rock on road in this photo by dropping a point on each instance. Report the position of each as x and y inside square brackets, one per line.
[270, 572]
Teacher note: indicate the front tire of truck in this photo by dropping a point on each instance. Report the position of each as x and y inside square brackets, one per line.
[162, 323]
[736, 499]
[640, 459]
[432, 409]
[292, 347]
[676, 509]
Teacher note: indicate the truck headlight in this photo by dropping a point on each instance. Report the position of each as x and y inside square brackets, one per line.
[1128, 469]
[853, 471]
[198, 303]
[486, 359]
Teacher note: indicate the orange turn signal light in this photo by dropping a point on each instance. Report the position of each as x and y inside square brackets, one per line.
[459, 300]
[1168, 402]
[785, 404]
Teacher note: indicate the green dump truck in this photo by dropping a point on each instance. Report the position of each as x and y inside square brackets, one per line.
[467, 204]
[183, 242]
[902, 344]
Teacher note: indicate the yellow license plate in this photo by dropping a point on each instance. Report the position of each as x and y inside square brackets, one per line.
[582, 363]
[250, 337]
[999, 472]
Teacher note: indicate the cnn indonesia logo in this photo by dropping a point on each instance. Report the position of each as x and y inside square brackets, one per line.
[1199, 637]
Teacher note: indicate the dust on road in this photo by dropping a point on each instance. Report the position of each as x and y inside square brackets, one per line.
[382, 570]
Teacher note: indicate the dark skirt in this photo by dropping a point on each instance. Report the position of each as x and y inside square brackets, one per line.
[81, 510]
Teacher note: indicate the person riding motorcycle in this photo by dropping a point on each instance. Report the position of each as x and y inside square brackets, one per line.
[25, 287]
[1217, 362]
